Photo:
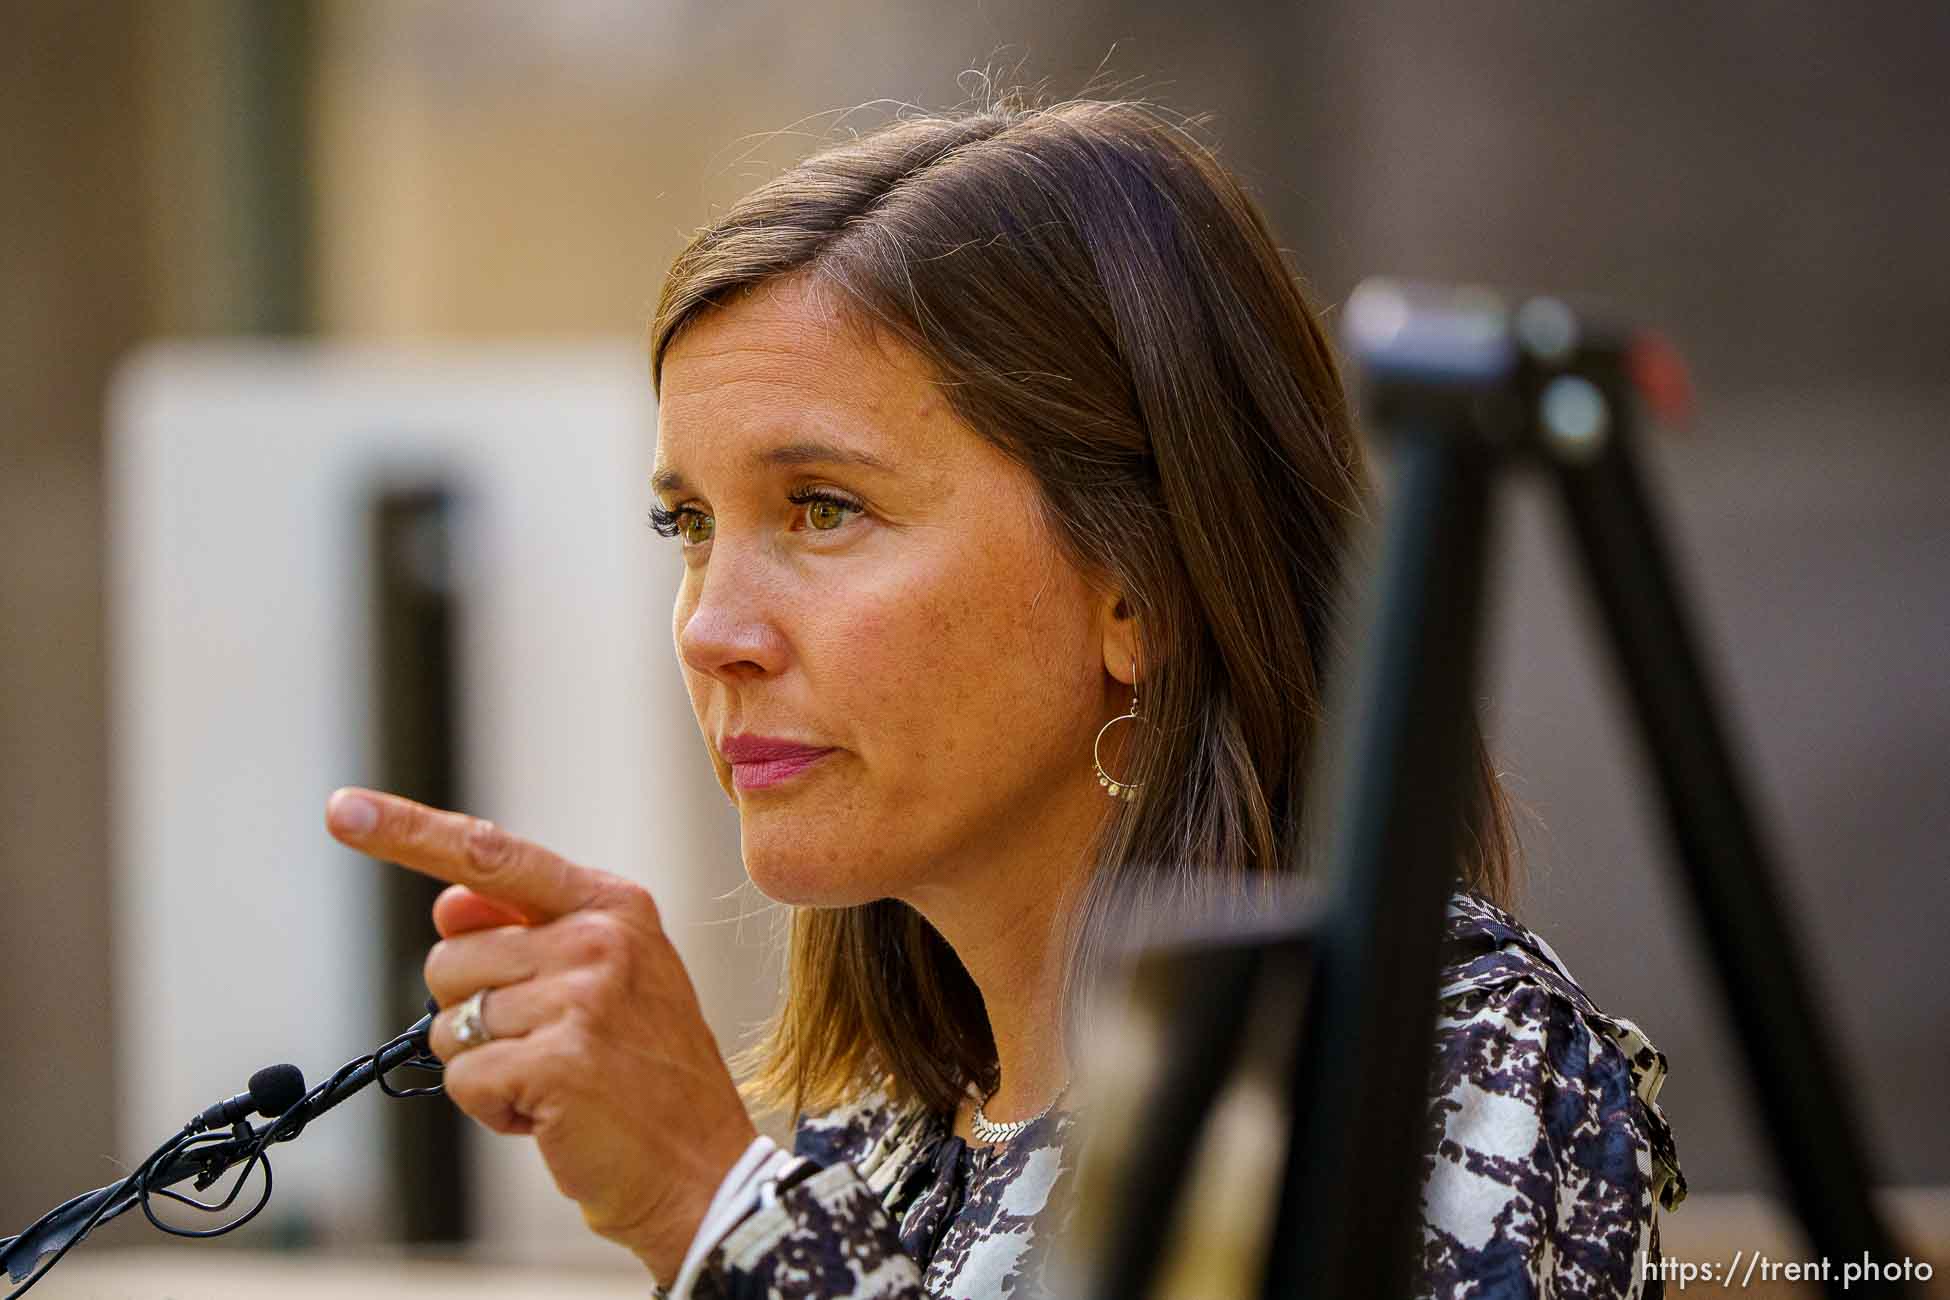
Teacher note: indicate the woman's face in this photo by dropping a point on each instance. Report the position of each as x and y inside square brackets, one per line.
[866, 576]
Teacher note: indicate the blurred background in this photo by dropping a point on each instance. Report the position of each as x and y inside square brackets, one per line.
[478, 198]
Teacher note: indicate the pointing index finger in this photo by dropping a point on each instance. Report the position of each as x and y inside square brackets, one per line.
[463, 850]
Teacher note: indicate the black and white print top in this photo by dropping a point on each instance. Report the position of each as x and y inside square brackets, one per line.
[1546, 1163]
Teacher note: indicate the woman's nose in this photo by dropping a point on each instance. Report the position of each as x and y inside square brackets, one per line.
[727, 624]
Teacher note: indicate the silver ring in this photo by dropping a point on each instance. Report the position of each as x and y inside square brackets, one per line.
[470, 1025]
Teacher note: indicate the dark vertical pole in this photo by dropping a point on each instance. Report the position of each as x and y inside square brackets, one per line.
[417, 736]
[1348, 1208]
[1196, 998]
[1798, 1082]
[268, 131]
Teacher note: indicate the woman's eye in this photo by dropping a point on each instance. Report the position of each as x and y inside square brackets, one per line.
[826, 515]
[691, 524]
[694, 526]
[824, 512]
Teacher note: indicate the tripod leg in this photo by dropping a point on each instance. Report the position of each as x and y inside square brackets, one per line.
[1360, 1089]
[1202, 999]
[1734, 891]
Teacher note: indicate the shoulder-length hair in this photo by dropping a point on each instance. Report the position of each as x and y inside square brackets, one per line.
[1103, 301]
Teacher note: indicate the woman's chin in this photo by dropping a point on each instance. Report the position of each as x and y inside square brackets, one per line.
[799, 889]
[801, 871]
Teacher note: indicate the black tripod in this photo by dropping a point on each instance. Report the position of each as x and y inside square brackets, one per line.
[1462, 388]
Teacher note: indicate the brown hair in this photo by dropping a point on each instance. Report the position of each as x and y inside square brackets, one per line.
[1103, 301]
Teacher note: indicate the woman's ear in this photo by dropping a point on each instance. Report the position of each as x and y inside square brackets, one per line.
[1121, 652]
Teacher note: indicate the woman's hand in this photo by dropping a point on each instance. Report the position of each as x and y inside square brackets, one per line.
[598, 1048]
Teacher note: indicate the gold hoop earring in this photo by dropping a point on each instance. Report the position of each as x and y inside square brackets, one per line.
[1115, 788]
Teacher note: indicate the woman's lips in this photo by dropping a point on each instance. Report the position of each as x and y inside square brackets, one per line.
[760, 773]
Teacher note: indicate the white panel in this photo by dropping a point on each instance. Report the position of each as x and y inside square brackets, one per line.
[240, 477]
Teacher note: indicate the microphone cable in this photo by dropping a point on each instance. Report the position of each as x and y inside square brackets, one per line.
[178, 1158]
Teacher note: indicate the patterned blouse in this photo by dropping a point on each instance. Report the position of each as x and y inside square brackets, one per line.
[1547, 1161]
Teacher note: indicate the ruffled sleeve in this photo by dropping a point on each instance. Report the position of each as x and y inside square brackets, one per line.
[1547, 1157]
[825, 1236]
[884, 1202]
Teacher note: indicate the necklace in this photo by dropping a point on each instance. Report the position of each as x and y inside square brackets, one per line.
[986, 1130]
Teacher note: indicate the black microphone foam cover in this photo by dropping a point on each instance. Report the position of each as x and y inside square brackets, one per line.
[275, 1089]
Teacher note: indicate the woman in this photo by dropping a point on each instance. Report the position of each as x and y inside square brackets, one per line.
[1013, 480]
